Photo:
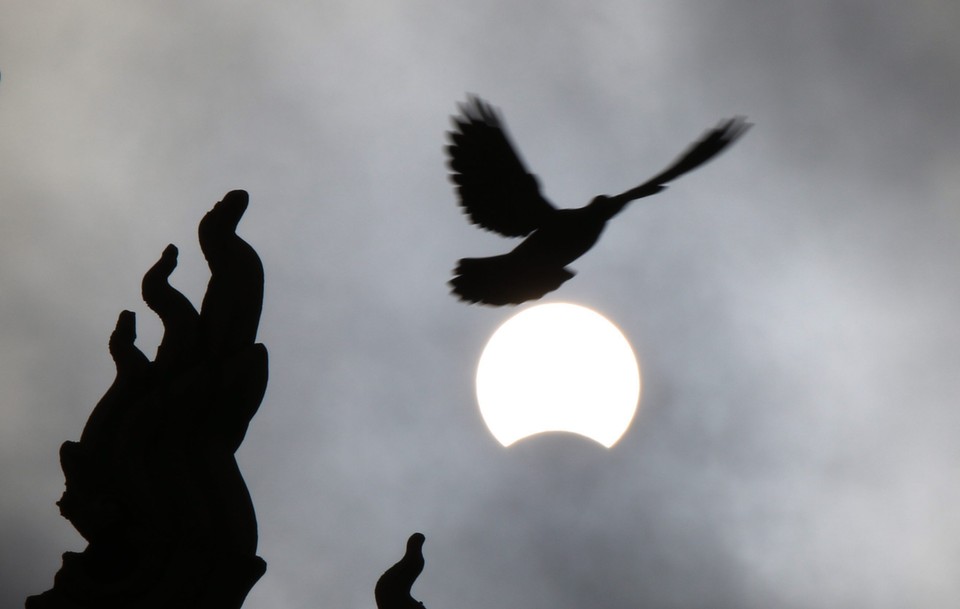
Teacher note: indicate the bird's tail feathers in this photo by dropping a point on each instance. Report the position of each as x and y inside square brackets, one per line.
[503, 280]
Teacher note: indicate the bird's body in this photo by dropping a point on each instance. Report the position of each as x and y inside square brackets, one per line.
[499, 194]
[537, 265]
[564, 236]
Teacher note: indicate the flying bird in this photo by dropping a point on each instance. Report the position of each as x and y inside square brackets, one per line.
[498, 193]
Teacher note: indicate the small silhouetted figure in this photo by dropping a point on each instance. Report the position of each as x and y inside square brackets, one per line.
[498, 193]
[393, 588]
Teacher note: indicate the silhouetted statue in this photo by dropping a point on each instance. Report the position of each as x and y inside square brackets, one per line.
[153, 485]
[393, 588]
[498, 193]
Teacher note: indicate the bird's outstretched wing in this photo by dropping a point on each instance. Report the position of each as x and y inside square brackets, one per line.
[494, 187]
[710, 144]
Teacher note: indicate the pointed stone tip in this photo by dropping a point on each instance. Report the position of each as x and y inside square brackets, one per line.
[125, 331]
[237, 195]
[168, 260]
[224, 217]
[234, 203]
[126, 318]
[416, 539]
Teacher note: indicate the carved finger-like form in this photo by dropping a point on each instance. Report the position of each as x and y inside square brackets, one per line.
[132, 366]
[181, 322]
[90, 465]
[153, 485]
[231, 307]
[393, 588]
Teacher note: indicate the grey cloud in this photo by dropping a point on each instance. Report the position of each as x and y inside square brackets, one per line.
[792, 303]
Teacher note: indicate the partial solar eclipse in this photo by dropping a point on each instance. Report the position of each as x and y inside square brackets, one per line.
[558, 367]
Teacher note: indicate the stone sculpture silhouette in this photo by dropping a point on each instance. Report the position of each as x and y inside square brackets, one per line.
[497, 193]
[152, 484]
[393, 588]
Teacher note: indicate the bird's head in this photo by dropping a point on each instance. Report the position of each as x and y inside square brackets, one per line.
[606, 206]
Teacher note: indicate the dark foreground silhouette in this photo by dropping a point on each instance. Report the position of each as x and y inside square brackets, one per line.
[498, 193]
[153, 485]
[393, 588]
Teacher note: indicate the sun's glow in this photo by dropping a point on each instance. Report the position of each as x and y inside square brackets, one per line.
[558, 367]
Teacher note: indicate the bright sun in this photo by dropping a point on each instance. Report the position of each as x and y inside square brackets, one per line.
[558, 367]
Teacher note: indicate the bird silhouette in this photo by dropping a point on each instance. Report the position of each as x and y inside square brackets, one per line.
[498, 193]
[393, 588]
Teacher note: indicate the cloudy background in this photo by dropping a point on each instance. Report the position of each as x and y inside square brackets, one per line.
[793, 304]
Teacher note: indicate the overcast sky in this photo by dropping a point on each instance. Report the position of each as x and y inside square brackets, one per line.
[792, 304]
